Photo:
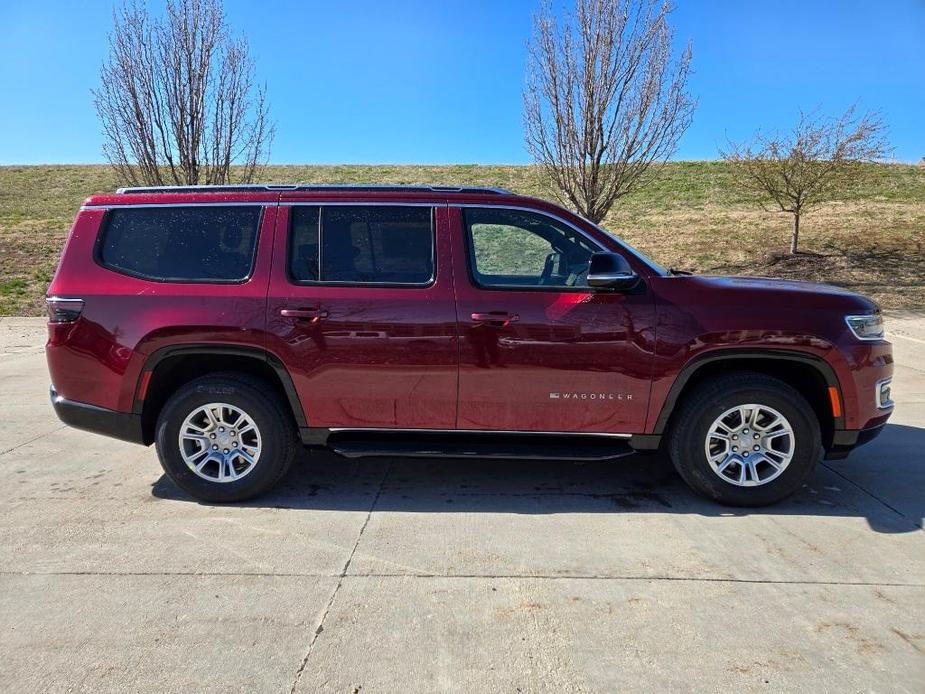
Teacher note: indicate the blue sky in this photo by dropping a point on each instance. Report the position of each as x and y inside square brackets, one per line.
[439, 81]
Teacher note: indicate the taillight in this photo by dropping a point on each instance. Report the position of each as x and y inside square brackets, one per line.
[63, 310]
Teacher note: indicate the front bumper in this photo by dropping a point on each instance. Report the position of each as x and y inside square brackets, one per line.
[124, 426]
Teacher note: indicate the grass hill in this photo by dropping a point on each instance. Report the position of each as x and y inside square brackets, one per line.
[872, 240]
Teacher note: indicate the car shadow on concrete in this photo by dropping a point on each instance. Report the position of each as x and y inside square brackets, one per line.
[863, 486]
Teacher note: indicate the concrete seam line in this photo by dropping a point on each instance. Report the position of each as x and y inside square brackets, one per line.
[340, 582]
[914, 522]
[40, 436]
[538, 577]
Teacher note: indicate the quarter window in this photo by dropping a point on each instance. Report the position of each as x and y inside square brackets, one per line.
[360, 244]
[181, 244]
[514, 248]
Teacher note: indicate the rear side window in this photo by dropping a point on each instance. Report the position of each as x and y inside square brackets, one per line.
[182, 244]
[362, 244]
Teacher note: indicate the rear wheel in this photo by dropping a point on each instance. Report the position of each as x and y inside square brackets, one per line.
[224, 438]
[745, 439]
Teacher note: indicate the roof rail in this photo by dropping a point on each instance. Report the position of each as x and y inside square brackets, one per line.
[325, 187]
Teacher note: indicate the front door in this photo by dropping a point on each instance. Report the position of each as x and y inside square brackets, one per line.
[361, 311]
[539, 349]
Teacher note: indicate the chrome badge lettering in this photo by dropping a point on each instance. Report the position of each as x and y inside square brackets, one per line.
[589, 396]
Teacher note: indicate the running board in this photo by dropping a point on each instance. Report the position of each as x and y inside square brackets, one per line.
[358, 444]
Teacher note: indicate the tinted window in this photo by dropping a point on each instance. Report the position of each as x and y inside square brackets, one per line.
[304, 235]
[182, 244]
[361, 244]
[514, 248]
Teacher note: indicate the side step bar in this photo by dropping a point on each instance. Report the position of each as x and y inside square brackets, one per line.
[361, 444]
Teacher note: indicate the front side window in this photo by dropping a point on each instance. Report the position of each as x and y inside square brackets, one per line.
[181, 244]
[514, 248]
[361, 244]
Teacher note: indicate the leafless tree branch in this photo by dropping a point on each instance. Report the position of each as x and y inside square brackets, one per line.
[797, 170]
[604, 99]
[177, 99]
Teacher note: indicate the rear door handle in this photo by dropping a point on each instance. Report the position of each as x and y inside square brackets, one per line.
[310, 314]
[498, 319]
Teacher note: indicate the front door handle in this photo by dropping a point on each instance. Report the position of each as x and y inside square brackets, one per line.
[310, 314]
[498, 319]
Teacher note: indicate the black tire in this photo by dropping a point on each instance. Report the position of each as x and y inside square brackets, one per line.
[701, 407]
[278, 433]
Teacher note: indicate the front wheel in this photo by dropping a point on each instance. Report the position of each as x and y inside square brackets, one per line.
[225, 437]
[745, 439]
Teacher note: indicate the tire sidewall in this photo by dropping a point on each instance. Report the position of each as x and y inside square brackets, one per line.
[696, 470]
[273, 456]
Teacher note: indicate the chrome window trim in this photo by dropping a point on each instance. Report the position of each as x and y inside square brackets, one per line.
[364, 203]
[481, 431]
[266, 203]
[133, 205]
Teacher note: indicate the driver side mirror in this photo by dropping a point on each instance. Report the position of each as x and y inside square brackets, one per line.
[611, 270]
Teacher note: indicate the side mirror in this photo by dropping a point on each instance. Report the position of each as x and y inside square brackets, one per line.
[612, 271]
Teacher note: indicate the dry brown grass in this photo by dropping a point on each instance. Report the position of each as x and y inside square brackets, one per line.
[872, 241]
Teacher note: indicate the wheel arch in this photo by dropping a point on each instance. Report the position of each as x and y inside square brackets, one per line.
[170, 367]
[812, 376]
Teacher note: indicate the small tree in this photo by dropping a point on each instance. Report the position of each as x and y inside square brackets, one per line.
[795, 171]
[177, 99]
[604, 99]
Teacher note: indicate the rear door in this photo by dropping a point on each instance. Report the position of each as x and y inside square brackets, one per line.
[540, 350]
[361, 311]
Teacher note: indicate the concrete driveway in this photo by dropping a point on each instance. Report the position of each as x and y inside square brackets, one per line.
[400, 575]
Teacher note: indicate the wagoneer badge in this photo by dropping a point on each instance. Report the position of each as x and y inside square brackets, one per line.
[590, 396]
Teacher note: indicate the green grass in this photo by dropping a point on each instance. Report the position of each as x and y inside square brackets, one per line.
[872, 239]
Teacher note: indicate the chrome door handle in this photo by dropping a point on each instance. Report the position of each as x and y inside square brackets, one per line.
[499, 319]
[310, 314]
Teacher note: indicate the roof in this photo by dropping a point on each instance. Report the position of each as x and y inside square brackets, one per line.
[313, 187]
[283, 193]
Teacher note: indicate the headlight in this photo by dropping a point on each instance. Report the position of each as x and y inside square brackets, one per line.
[869, 327]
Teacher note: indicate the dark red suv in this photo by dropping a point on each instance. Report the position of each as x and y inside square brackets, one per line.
[228, 324]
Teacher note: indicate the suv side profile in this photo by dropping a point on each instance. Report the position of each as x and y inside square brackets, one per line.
[229, 324]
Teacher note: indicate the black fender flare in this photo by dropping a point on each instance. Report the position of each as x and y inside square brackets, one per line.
[691, 367]
[172, 351]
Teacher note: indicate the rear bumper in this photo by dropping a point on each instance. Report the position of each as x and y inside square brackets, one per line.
[124, 426]
[845, 441]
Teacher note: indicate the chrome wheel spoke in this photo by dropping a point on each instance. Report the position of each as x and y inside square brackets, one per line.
[777, 434]
[738, 445]
[209, 458]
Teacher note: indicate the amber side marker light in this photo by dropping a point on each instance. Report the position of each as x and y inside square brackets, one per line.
[836, 403]
[145, 382]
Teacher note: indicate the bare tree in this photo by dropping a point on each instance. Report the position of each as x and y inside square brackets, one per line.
[177, 100]
[604, 99]
[795, 171]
